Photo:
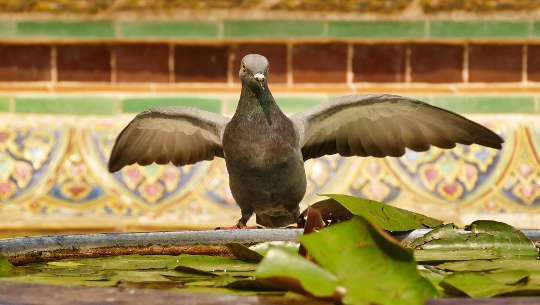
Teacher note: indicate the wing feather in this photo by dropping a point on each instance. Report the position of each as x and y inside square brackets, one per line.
[384, 125]
[181, 135]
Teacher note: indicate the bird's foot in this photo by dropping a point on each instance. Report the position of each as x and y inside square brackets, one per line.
[239, 225]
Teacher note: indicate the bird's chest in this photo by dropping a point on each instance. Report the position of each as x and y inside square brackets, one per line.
[258, 144]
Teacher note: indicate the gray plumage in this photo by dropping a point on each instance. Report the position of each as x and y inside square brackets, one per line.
[265, 150]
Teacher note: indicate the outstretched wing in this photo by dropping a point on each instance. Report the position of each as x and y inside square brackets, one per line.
[384, 125]
[181, 135]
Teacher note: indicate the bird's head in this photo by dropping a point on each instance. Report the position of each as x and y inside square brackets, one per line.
[254, 72]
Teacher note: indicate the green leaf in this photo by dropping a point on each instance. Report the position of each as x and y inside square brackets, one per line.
[285, 270]
[372, 266]
[263, 248]
[5, 266]
[385, 216]
[126, 262]
[486, 265]
[244, 253]
[480, 285]
[211, 263]
[64, 264]
[433, 255]
[486, 239]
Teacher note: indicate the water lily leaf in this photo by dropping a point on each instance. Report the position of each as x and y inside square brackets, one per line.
[433, 255]
[244, 253]
[189, 270]
[283, 270]
[5, 266]
[211, 263]
[249, 284]
[331, 211]
[149, 285]
[314, 222]
[369, 263]
[496, 239]
[434, 278]
[263, 248]
[126, 262]
[65, 264]
[479, 285]
[385, 216]
[486, 265]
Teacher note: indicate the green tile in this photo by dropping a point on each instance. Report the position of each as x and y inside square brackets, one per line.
[170, 29]
[536, 29]
[139, 104]
[7, 29]
[4, 104]
[66, 105]
[478, 29]
[297, 104]
[75, 29]
[376, 29]
[273, 28]
[486, 104]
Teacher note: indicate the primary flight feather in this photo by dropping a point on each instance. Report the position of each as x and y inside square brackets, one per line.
[265, 150]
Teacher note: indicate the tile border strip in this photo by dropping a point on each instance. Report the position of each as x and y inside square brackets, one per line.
[270, 29]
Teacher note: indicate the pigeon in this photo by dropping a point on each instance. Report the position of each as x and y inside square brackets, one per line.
[265, 150]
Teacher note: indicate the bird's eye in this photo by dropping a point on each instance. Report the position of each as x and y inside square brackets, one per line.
[244, 67]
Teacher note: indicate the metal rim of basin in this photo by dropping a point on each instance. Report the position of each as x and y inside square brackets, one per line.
[23, 250]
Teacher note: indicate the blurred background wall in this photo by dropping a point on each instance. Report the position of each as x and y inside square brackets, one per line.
[73, 73]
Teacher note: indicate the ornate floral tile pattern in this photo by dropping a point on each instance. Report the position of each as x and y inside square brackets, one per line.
[51, 167]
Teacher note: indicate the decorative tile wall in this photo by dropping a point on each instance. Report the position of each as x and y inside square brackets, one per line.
[68, 86]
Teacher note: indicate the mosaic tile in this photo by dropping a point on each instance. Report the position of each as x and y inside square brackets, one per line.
[66, 29]
[52, 168]
[4, 104]
[25, 63]
[495, 62]
[379, 62]
[84, 62]
[142, 63]
[169, 29]
[376, 29]
[139, 104]
[201, 63]
[436, 63]
[7, 29]
[308, 68]
[478, 29]
[273, 28]
[66, 105]
[487, 104]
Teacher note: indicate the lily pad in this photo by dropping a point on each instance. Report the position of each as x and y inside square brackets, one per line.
[331, 211]
[125, 262]
[483, 239]
[244, 253]
[369, 263]
[288, 271]
[5, 266]
[487, 265]
[478, 285]
[263, 248]
[211, 263]
[385, 216]
[64, 264]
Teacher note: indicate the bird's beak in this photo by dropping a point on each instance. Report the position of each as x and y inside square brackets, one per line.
[259, 77]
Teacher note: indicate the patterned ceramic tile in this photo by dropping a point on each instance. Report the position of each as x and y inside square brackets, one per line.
[57, 168]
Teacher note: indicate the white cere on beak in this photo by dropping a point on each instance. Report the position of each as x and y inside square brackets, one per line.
[259, 77]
